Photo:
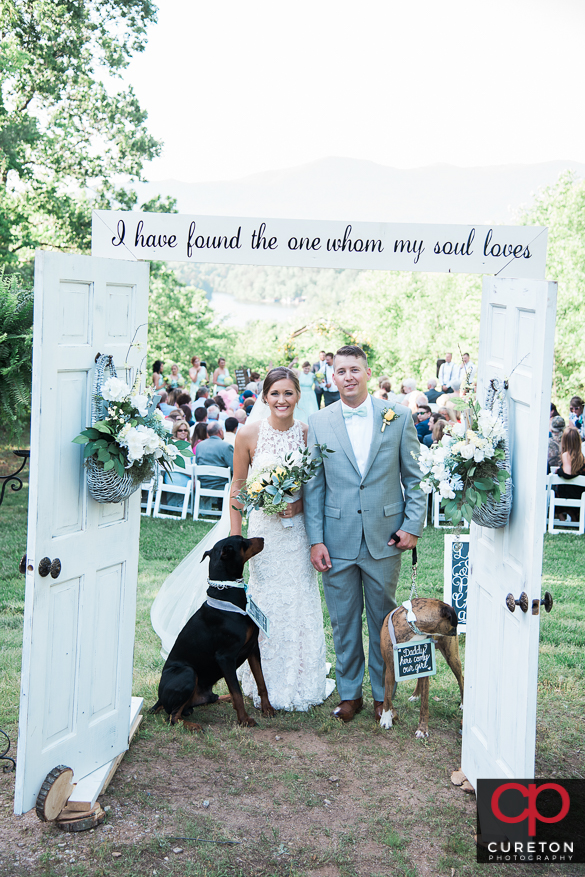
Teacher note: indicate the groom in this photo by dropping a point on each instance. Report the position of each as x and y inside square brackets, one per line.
[352, 507]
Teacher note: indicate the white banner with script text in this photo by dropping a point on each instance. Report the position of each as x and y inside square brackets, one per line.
[506, 251]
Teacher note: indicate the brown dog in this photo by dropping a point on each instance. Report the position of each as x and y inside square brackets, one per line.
[440, 621]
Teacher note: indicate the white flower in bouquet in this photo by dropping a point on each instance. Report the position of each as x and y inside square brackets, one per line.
[134, 441]
[458, 429]
[171, 451]
[141, 403]
[150, 439]
[446, 490]
[426, 486]
[115, 390]
[467, 451]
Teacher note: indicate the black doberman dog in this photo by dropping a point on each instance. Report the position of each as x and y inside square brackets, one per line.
[215, 642]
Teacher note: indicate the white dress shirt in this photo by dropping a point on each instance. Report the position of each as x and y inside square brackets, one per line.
[329, 371]
[448, 372]
[359, 430]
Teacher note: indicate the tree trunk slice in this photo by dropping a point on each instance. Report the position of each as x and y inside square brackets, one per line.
[69, 815]
[83, 820]
[54, 793]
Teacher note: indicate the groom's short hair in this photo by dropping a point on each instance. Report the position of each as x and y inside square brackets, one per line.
[352, 350]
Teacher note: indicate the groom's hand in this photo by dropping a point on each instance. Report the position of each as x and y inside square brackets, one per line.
[407, 541]
[320, 557]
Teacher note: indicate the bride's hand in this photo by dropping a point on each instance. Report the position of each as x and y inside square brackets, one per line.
[294, 508]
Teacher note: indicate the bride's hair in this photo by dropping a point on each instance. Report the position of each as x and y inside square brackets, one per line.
[281, 373]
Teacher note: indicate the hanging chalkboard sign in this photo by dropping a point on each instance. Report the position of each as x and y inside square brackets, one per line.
[414, 659]
[456, 576]
[242, 378]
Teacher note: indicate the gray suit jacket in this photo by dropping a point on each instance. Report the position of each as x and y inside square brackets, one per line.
[214, 452]
[340, 505]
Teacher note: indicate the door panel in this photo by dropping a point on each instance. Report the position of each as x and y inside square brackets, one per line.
[501, 655]
[79, 628]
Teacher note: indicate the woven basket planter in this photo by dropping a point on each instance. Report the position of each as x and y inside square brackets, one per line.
[491, 514]
[109, 486]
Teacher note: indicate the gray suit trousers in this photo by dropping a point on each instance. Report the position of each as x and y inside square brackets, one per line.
[346, 585]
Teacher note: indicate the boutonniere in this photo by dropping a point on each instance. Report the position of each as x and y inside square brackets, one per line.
[388, 415]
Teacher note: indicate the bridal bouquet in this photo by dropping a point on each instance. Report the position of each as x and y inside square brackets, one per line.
[274, 486]
[465, 467]
[132, 434]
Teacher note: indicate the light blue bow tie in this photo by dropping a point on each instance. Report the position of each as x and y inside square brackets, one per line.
[348, 413]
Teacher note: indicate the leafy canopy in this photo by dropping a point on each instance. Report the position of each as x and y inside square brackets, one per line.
[62, 131]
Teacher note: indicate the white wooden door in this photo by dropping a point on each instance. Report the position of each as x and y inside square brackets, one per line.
[78, 627]
[501, 649]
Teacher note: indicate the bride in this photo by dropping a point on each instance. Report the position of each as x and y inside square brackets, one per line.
[282, 580]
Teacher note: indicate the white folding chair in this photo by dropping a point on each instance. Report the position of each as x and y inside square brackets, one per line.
[168, 489]
[199, 491]
[146, 501]
[555, 525]
[548, 488]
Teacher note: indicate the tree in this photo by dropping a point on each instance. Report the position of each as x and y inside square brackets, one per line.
[63, 136]
[562, 208]
[16, 319]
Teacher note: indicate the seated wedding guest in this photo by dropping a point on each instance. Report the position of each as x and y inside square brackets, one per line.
[175, 379]
[172, 397]
[380, 394]
[183, 399]
[158, 381]
[163, 404]
[181, 432]
[422, 421]
[433, 419]
[557, 426]
[576, 415]
[407, 387]
[446, 398]
[572, 465]
[231, 427]
[219, 401]
[387, 387]
[432, 393]
[439, 430]
[199, 434]
[200, 397]
[416, 401]
[175, 415]
[553, 411]
[448, 413]
[200, 415]
[248, 409]
[212, 413]
[240, 416]
[187, 414]
[214, 451]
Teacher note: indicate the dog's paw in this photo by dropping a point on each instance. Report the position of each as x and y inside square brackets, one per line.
[461, 706]
[421, 733]
[386, 719]
[414, 697]
[192, 726]
[248, 722]
[269, 712]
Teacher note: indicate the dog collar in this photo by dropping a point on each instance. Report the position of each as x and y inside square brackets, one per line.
[237, 583]
[411, 618]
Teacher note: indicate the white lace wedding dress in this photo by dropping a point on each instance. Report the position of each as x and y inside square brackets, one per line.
[284, 585]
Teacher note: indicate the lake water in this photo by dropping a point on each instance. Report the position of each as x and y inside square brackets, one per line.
[238, 313]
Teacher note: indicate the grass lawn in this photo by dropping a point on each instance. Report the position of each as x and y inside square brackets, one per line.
[300, 794]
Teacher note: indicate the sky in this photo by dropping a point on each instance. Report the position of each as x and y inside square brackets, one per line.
[244, 86]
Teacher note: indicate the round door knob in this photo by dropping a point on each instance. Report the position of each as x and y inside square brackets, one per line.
[44, 566]
[511, 603]
[55, 568]
[547, 602]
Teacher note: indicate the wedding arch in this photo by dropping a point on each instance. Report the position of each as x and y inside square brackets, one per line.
[82, 557]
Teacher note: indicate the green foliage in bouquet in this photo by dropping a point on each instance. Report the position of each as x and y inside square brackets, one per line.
[272, 488]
